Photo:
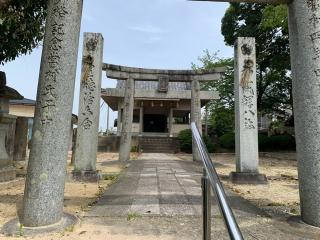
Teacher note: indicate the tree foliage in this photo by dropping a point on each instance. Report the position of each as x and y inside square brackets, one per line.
[21, 27]
[268, 24]
[221, 111]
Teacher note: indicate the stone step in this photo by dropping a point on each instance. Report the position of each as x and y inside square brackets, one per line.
[158, 151]
[156, 141]
[158, 144]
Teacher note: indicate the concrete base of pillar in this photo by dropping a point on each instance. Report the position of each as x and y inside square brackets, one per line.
[248, 178]
[301, 226]
[7, 174]
[85, 176]
[15, 228]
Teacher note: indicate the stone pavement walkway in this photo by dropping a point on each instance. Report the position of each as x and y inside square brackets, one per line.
[159, 196]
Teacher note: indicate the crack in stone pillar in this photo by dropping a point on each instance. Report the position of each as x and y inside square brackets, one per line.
[44, 190]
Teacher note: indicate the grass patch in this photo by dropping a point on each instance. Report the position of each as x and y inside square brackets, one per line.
[110, 177]
[133, 216]
[275, 204]
[294, 211]
[21, 230]
[70, 229]
[100, 191]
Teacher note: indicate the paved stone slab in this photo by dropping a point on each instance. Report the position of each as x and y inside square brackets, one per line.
[158, 185]
[170, 205]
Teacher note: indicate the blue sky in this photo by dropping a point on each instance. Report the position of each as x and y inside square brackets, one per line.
[139, 33]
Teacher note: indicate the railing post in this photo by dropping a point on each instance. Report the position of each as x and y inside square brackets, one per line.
[206, 206]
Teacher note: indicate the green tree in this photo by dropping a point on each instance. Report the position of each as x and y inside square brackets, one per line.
[21, 27]
[221, 111]
[268, 24]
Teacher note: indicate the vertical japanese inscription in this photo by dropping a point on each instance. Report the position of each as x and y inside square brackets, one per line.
[248, 91]
[313, 5]
[127, 111]
[88, 83]
[314, 19]
[56, 37]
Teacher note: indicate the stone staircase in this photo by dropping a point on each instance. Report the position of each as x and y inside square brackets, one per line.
[148, 144]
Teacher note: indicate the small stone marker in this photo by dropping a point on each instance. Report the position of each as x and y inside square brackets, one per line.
[7, 130]
[89, 108]
[246, 127]
[21, 139]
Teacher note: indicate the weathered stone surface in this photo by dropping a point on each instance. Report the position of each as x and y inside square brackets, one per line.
[85, 176]
[44, 191]
[120, 115]
[7, 130]
[304, 28]
[89, 104]
[6, 164]
[126, 134]
[13, 227]
[196, 115]
[170, 122]
[4, 157]
[152, 94]
[123, 73]
[141, 121]
[248, 178]
[246, 128]
[21, 139]
[154, 85]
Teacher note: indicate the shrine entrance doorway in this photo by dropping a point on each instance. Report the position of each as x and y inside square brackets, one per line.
[155, 123]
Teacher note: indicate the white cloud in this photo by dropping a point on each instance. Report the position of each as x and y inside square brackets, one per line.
[146, 28]
[151, 40]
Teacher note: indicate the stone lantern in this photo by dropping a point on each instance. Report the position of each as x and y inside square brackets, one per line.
[7, 130]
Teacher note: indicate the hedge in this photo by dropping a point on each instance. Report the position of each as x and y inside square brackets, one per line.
[185, 139]
[266, 143]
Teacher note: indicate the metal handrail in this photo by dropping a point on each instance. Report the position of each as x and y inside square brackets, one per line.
[211, 173]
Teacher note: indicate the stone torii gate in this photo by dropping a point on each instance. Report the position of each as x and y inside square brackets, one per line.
[89, 102]
[43, 198]
[304, 31]
[130, 75]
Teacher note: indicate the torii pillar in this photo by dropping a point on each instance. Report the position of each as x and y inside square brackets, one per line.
[304, 29]
[304, 26]
[196, 115]
[126, 129]
[44, 190]
[89, 109]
